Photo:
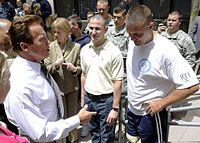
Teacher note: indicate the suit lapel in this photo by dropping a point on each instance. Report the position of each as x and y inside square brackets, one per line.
[67, 49]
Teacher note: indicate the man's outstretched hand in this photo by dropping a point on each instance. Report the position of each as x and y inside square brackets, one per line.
[85, 115]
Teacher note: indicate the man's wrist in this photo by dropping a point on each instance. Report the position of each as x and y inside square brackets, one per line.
[115, 109]
[74, 72]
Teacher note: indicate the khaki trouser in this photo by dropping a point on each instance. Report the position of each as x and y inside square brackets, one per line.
[70, 109]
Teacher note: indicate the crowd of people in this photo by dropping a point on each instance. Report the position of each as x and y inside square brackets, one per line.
[43, 81]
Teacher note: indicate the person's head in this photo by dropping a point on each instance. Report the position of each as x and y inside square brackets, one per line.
[97, 29]
[19, 3]
[27, 8]
[103, 8]
[139, 24]
[29, 38]
[174, 21]
[119, 16]
[4, 32]
[4, 78]
[61, 29]
[75, 24]
[89, 15]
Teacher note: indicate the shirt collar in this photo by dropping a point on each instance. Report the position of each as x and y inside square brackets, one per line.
[29, 64]
[121, 31]
[173, 36]
[99, 47]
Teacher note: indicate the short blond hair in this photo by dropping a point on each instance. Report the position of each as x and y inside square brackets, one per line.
[61, 23]
[98, 17]
[140, 15]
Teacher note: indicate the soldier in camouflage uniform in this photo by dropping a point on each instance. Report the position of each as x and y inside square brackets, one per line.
[181, 39]
[118, 35]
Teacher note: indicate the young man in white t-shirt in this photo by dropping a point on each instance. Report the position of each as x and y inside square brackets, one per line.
[157, 76]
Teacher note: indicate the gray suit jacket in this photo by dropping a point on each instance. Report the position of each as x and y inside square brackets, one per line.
[195, 33]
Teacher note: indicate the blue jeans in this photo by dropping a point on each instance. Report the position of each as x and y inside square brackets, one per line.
[101, 131]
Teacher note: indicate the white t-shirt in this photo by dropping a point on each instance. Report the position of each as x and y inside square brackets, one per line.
[153, 71]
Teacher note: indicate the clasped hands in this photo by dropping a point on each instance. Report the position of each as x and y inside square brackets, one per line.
[61, 61]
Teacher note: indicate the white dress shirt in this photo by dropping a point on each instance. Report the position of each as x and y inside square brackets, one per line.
[31, 104]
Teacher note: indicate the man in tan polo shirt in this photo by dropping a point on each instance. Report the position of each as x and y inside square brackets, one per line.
[101, 80]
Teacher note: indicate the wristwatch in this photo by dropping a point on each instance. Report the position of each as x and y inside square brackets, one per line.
[115, 109]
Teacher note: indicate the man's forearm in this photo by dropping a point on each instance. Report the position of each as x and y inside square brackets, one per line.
[117, 93]
[178, 95]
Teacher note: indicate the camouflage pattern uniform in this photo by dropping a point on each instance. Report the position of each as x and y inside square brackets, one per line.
[120, 38]
[184, 44]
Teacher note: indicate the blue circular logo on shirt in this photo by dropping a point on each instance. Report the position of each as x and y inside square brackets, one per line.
[144, 65]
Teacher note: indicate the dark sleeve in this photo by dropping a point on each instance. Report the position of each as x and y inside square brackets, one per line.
[11, 11]
[46, 9]
[32, 4]
[88, 40]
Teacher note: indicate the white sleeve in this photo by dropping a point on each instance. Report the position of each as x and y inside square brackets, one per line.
[82, 60]
[181, 73]
[28, 117]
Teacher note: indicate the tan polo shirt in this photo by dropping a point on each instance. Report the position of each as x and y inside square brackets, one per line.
[101, 65]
